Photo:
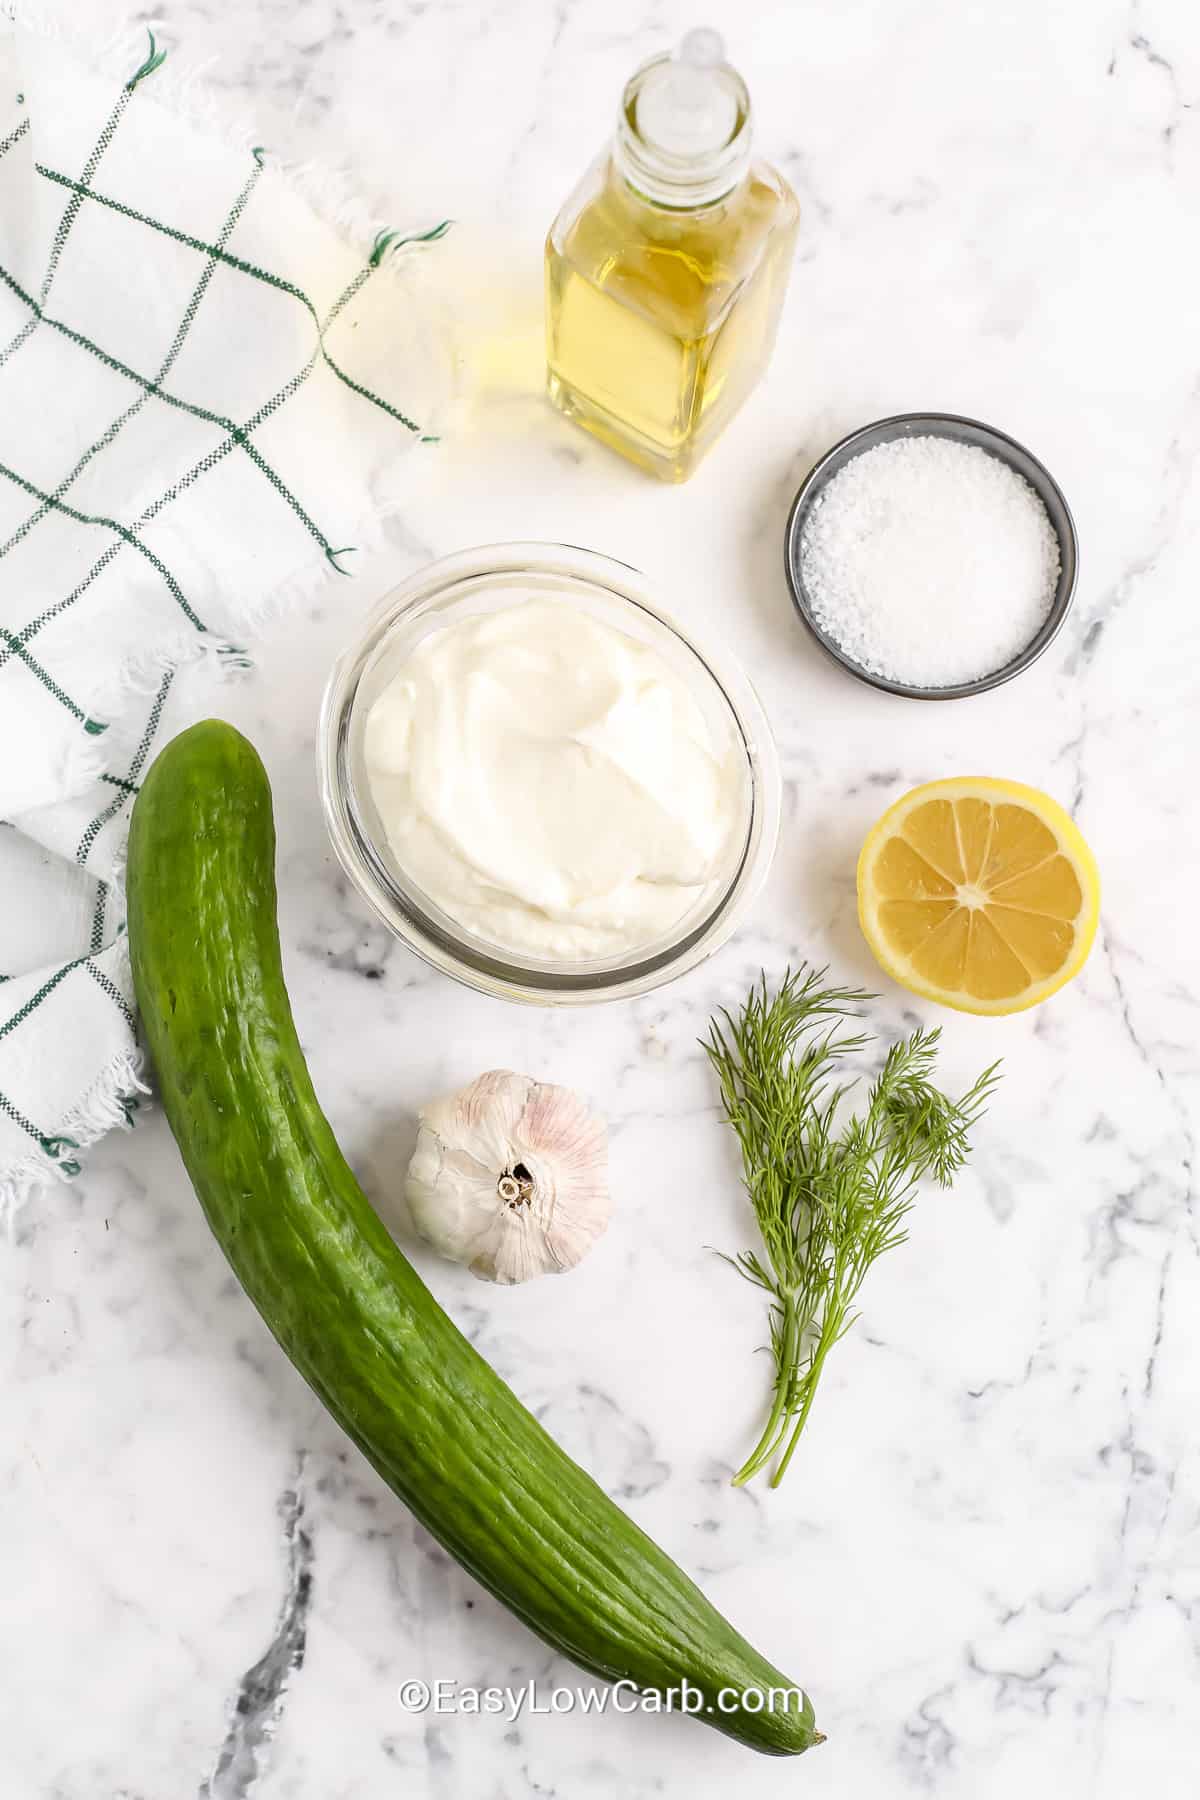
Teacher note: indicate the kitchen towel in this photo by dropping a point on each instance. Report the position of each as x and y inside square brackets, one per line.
[205, 390]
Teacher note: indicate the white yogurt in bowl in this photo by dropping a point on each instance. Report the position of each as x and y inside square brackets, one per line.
[539, 783]
[551, 783]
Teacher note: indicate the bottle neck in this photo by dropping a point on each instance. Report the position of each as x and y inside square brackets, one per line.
[683, 141]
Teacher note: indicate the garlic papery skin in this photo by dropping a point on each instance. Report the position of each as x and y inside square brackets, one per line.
[510, 1177]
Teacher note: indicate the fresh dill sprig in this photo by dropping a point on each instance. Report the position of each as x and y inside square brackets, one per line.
[829, 1197]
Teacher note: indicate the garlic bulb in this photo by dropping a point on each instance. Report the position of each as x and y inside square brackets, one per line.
[510, 1177]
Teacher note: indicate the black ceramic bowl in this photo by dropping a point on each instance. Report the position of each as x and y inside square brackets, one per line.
[963, 431]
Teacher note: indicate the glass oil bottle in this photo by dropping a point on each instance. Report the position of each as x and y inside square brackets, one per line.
[666, 269]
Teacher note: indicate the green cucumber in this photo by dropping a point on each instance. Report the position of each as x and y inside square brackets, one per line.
[439, 1425]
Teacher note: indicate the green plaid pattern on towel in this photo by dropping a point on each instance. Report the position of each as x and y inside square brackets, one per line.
[203, 394]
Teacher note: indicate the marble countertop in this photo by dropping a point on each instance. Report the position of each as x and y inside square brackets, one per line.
[984, 1561]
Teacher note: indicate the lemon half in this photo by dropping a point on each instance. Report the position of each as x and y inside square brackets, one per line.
[980, 894]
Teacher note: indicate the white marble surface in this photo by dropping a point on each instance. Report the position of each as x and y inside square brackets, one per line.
[984, 1563]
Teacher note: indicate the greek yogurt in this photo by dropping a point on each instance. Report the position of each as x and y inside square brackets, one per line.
[551, 784]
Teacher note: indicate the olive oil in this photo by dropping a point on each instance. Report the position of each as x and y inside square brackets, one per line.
[666, 270]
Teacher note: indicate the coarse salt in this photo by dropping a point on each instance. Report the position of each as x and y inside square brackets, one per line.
[929, 562]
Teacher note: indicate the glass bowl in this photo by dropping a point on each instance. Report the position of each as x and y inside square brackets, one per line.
[486, 579]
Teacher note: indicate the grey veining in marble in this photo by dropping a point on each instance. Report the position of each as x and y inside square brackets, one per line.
[258, 1703]
[985, 1562]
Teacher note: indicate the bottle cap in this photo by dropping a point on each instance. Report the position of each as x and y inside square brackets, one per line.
[683, 136]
